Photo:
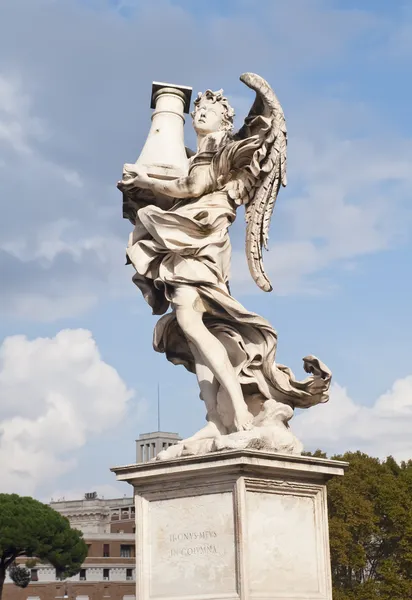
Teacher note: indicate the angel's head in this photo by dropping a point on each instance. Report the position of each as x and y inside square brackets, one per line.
[212, 113]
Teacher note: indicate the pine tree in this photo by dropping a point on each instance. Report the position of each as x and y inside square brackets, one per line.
[31, 529]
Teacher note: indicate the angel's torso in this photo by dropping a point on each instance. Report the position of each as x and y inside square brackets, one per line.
[214, 208]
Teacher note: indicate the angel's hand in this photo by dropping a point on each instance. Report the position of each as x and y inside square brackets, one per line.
[133, 177]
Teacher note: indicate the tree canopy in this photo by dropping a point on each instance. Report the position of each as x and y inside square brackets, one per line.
[370, 524]
[31, 529]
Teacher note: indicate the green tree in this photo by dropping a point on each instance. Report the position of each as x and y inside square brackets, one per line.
[34, 530]
[20, 575]
[370, 523]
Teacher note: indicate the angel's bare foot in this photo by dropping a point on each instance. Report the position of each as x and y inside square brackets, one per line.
[208, 431]
[174, 451]
[243, 420]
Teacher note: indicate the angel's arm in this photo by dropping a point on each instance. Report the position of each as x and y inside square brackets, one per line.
[191, 186]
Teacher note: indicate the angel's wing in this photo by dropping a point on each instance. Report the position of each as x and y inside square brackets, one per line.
[265, 123]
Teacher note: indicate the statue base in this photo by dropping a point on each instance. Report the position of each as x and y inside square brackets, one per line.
[234, 525]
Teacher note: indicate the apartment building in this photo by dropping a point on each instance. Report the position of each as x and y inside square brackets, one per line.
[109, 569]
[108, 572]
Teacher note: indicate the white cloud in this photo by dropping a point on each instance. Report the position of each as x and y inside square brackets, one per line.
[60, 237]
[55, 393]
[381, 430]
[69, 140]
[59, 249]
[348, 197]
[46, 292]
[73, 178]
[17, 124]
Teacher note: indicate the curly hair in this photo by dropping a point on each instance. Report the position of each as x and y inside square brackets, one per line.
[210, 96]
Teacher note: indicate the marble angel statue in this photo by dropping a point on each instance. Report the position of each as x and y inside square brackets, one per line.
[181, 256]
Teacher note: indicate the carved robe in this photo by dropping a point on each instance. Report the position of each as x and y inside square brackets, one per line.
[189, 245]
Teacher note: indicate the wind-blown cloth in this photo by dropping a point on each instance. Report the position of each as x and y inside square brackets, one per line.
[189, 245]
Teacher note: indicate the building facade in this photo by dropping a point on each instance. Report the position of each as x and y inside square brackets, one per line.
[109, 569]
[149, 445]
[108, 526]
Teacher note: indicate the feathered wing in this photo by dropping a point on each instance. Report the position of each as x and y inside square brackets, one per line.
[265, 127]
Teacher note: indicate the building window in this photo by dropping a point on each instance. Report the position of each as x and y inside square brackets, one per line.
[125, 551]
[106, 550]
[129, 574]
[82, 575]
[134, 529]
[106, 574]
[34, 575]
[115, 515]
[88, 549]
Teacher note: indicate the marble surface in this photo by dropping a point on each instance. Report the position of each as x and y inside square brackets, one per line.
[192, 545]
[282, 534]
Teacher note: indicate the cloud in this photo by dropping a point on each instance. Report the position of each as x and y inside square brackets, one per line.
[348, 197]
[17, 124]
[55, 393]
[381, 430]
[70, 118]
[59, 251]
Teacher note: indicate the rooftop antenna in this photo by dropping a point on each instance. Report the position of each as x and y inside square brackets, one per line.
[158, 407]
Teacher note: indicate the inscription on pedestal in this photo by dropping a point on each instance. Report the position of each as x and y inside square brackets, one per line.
[198, 537]
[192, 546]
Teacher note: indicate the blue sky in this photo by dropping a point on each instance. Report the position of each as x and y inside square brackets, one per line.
[74, 106]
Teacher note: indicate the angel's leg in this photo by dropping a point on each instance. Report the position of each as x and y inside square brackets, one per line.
[209, 387]
[211, 352]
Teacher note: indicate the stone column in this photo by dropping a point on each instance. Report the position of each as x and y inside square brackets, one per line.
[164, 154]
[235, 525]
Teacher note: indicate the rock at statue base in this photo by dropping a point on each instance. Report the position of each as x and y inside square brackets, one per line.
[234, 525]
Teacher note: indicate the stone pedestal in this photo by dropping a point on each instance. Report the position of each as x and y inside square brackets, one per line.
[233, 525]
